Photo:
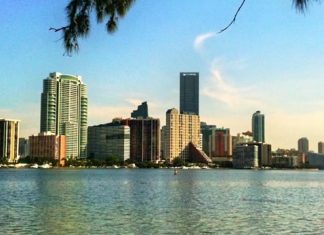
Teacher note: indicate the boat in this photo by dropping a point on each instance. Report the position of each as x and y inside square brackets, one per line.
[132, 165]
[21, 165]
[195, 167]
[45, 166]
[35, 166]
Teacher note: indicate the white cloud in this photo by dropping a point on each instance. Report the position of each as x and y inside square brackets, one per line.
[220, 89]
[200, 39]
[134, 102]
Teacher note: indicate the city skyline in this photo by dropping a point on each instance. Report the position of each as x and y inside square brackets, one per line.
[272, 64]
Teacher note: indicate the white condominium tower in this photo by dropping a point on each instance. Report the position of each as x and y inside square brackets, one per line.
[181, 129]
[64, 111]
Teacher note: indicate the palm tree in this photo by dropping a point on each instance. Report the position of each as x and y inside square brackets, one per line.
[78, 15]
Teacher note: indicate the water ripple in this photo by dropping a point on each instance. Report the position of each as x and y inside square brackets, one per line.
[123, 201]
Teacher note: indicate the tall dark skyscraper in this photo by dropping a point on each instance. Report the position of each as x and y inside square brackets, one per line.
[189, 93]
[258, 127]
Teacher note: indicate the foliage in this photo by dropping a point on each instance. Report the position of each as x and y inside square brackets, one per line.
[113, 160]
[78, 13]
[178, 161]
[38, 160]
[3, 160]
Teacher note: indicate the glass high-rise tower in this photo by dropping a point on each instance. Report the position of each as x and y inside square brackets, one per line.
[189, 93]
[64, 111]
[258, 127]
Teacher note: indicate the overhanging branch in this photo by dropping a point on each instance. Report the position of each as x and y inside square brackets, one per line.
[234, 18]
[58, 29]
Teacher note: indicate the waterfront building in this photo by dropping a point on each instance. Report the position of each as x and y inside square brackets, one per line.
[23, 150]
[64, 111]
[144, 139]
[182, 136]
[285, 161]
[245, 156]
[316, 160]
[264, 153]
[47, 145]
[321, 147]
[9, 139]
[141, 111]
[163, 142]
[258, 127]
[189, 93]
[221, 143]
[303, 145]
[109, 140]
[207, 132]
[242, 138]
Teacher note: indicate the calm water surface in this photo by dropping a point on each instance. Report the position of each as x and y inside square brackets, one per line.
[152, 201]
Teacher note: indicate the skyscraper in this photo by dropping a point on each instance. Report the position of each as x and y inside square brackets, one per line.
[9, 138]
[207, 131]
[303, 145]
[321, 147]
[64, 111]
[181, 129]
[258, 127]
[189, 93]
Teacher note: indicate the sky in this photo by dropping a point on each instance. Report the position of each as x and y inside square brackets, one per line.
[271, 59]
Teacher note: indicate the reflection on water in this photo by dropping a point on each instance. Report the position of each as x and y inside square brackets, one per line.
[123, 201]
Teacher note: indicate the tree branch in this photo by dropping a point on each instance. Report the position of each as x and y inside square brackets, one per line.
[59, 29]
[234, 18]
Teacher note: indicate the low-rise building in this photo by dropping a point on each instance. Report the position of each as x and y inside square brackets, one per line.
[48, 146]
[23, 148]
[315, 160]
[245, 156]
[111, 140]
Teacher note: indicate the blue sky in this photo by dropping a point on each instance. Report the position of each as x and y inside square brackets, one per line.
[271, 60]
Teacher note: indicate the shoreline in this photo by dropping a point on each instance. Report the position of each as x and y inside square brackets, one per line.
[184, 168]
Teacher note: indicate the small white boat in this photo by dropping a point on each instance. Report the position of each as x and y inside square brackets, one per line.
[195, 167]
[132, 165]
[35, 166]
[184, 168]
[45, 166]
[21, 165]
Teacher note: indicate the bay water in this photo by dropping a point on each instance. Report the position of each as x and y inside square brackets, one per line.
[155, 201]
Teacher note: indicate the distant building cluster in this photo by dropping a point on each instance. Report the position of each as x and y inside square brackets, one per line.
[65, 134]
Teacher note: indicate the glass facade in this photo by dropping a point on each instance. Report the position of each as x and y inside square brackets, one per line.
[189, 93]
[258, 127]
[64, 111]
